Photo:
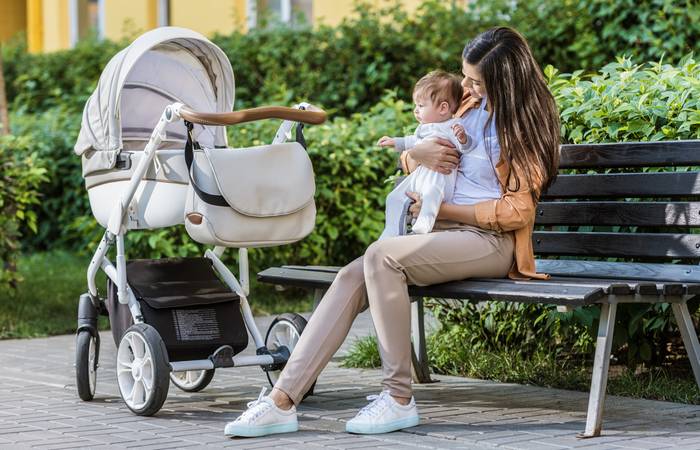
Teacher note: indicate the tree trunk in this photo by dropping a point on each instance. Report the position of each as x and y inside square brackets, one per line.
[4, 117]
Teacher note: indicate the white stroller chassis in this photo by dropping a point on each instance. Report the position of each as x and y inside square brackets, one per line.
[143, 368]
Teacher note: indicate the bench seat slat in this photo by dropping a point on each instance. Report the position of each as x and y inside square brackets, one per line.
[658, 184]
[610, 286]
[637, 245]
[496, 289]
[631, 154]
[652, 214]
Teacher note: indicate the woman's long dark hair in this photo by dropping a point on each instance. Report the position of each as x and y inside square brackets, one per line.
[527, 118]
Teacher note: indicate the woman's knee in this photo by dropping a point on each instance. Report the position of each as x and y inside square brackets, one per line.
[352, 272]
[378, 256]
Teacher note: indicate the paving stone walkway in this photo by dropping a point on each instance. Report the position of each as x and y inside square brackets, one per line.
[39, 408]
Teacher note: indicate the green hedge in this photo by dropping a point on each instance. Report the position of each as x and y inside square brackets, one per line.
[629, 102]
[21, 175]
[348, 67]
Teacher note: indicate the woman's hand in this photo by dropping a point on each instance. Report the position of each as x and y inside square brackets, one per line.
[414, 209]
[438, 155]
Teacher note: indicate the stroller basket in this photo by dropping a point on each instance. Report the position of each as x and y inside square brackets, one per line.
[193, 311]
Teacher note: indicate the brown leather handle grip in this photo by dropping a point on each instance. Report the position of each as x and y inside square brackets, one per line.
[313, 115]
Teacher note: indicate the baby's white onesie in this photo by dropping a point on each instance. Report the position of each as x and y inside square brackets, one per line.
[433, 187]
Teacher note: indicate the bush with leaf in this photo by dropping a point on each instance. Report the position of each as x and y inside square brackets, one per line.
[346, 68]
[628, 101]
[21, 175]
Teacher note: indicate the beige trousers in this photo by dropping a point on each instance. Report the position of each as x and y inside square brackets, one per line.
[380, 279]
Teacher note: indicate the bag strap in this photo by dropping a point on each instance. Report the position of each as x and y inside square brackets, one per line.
[190, 145]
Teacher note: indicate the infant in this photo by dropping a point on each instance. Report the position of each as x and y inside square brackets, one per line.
[437, 96]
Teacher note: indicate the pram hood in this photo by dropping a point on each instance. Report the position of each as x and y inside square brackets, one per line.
[162, 66]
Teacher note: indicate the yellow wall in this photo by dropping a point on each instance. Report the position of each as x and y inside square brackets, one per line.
[13, 18]
[333, 12]
[129, 18]
[209, 16]
[56, 29]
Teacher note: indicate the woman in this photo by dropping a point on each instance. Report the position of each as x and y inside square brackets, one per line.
[486, 232]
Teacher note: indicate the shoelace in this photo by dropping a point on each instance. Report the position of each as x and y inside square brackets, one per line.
[378, 405]
[255, 408]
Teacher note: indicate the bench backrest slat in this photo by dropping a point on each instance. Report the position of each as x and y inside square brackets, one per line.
[631, 154]
[645, 214]
[627, 245]
[657, 184]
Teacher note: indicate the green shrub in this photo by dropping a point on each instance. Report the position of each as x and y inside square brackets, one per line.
[587, 34]
[51, 135]
[629, 102]
[21, 174]
[348, 67]
[65, 79]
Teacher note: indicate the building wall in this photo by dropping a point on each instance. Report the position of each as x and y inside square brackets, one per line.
[333, 12]
[55, 24]
[129, 18]
[13, 18]
[209, 16]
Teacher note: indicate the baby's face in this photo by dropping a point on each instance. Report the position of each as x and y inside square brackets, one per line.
[426, 111]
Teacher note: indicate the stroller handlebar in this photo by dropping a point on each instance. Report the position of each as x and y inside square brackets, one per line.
[312, 115]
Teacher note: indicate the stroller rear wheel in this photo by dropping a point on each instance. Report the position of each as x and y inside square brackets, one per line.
[142, 369]
[86, 350]
[285, 330]
[192, 380]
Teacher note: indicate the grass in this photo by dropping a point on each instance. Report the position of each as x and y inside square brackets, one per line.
[46, 302]
[539, 369]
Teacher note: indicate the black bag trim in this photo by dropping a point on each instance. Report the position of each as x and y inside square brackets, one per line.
[190, 145]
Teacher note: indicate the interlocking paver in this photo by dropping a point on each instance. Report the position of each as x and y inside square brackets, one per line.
[39, 408]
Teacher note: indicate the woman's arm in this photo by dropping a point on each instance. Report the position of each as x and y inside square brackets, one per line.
[458, 213]
[438, 155]
[514, 210]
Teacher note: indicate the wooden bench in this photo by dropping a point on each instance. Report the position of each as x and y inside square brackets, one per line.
[658, 263]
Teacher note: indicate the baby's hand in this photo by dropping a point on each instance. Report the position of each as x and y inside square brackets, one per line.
[459, 132]
[386, 141]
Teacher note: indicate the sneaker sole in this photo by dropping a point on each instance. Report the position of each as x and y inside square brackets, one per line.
[396, 425]
[263, 430]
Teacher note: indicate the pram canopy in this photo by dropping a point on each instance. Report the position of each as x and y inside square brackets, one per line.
[163, 66]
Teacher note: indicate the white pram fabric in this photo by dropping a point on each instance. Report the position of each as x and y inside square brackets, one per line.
[161, 67]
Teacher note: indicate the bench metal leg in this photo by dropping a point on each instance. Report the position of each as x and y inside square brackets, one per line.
[596, 400]
[419, 352]
[318, 295]
[690, 336]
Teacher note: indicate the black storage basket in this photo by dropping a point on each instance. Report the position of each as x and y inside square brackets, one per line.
[194, 312]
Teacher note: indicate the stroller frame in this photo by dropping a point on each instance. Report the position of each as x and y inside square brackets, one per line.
[91, 304]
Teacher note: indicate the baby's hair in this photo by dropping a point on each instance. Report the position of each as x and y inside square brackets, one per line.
[440, 86]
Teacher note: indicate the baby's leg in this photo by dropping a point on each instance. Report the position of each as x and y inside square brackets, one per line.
[396, 206]
[432, 191]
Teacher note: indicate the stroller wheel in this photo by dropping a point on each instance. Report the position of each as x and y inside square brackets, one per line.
[192, 380]
[86, 350]
[142, 369]
[285, 330]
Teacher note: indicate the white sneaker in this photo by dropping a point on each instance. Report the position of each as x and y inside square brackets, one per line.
[383, 415]
[263, 417]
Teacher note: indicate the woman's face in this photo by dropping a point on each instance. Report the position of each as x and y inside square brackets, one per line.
[472, 81]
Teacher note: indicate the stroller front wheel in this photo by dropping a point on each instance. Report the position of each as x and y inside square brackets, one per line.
[285, 330]
[86, 350]
[192, 380]
[142, 369]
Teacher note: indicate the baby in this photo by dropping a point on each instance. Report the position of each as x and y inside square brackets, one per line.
[437, 96]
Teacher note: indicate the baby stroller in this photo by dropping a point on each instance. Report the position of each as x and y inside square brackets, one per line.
[154, 154]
